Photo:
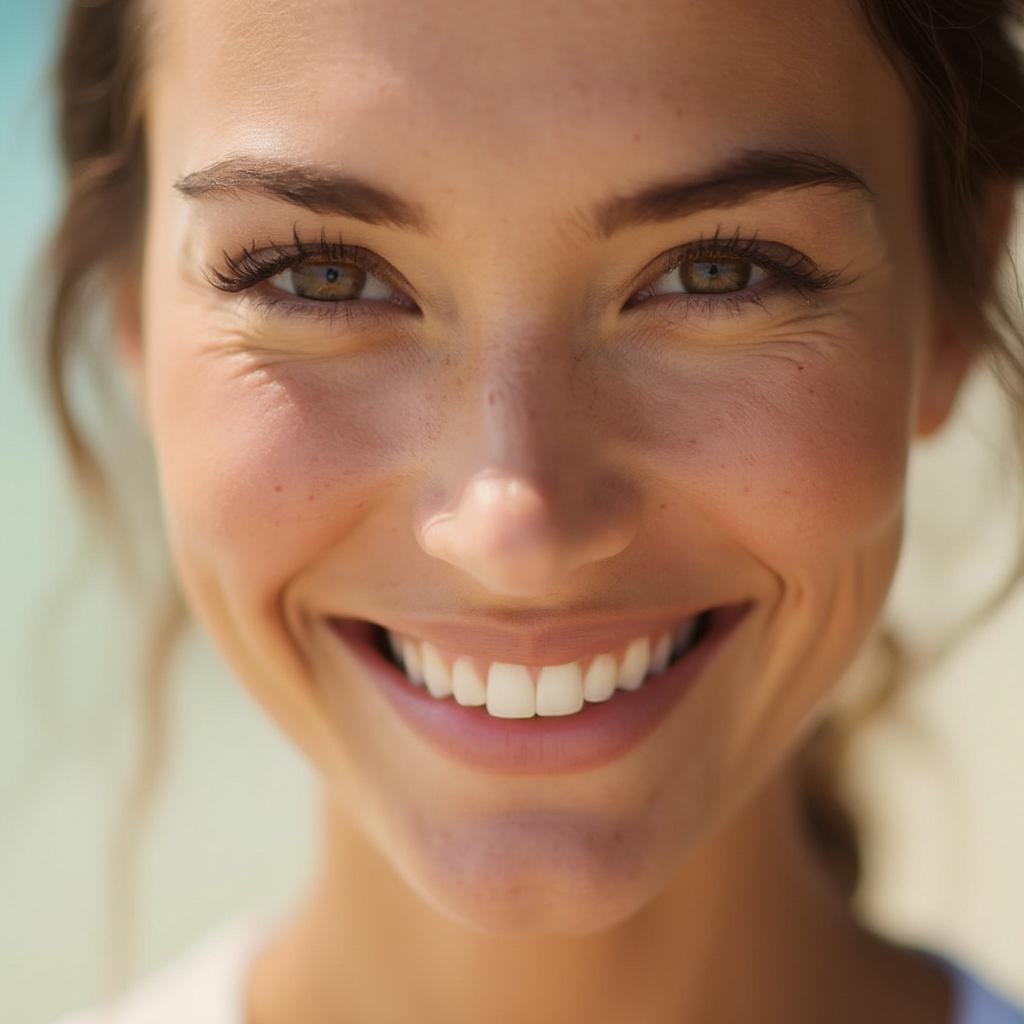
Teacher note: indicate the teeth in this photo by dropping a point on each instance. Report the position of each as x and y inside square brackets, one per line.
[411, 660]
[635, 664]
[599, 682]
[396, 647]
[560, 689]
[662, 653]
[435, 672]
[467, 686]
[510, 691]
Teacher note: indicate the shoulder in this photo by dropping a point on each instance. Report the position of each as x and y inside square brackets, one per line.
[977, 1000]
[203, 985]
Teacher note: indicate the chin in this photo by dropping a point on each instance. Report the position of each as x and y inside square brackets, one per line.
[533, 874]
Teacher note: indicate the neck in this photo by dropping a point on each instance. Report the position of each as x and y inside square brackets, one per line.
[749, 928]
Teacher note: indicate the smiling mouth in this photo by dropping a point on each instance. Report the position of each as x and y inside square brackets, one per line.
[539, 719]
[510, 690]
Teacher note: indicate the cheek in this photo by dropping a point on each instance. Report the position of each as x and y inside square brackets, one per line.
[265, 465]
[800, 457]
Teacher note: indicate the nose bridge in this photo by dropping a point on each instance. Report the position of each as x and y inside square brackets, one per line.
[526, 406]
[529, 499]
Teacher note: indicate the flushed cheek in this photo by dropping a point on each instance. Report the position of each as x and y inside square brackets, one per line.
[263, 468]
[798, 460]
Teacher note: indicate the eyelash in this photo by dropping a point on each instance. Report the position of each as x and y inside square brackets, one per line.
[251, 266]
[794, 271]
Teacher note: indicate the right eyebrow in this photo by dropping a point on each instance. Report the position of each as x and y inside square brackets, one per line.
[317, 189]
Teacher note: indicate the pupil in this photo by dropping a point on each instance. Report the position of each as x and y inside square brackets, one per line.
[331, 275]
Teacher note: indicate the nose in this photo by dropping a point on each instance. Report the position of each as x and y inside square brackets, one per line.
[535, 501]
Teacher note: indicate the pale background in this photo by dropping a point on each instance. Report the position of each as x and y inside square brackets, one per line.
[233, 824]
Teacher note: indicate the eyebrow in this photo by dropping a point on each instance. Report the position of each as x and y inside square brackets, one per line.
[317, 189]
[741, 178]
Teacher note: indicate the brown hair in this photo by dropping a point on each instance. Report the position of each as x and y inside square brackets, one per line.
[962, 68]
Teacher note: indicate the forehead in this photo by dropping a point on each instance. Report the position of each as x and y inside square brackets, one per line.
[553, 91]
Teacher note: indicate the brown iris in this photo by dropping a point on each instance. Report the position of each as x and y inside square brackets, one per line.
[328, 282]
[714, 275]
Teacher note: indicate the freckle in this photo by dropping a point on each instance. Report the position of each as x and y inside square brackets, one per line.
[637, 136]
[664, 504]
[491, 397]
[691, 442]
[310, 496]
[798, 366]
[277, 487]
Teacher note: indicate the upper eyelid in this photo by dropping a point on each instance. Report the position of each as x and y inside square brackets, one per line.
[781, 260]
[772, 255]
[243, 272]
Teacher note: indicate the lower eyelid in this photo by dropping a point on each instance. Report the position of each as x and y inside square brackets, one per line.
[285, 304]
[771, 284]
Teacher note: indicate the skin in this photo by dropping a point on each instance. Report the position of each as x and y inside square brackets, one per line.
[585, 457]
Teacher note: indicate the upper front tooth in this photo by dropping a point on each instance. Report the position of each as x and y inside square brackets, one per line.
[510, 691]
[435, 672]
[560, 689]
[635, 663]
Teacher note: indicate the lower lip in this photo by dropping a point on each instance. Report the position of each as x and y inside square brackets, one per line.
[594, 736]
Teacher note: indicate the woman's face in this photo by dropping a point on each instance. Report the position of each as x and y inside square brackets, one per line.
[492, 414]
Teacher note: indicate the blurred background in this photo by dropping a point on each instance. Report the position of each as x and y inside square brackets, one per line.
[939, 781]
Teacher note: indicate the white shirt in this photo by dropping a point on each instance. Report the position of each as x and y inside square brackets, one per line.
[206, 985]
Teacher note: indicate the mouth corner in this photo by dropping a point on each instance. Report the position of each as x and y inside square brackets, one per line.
[725, 617]
[363, 631]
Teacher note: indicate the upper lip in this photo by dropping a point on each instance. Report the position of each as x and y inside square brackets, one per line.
[536, 638]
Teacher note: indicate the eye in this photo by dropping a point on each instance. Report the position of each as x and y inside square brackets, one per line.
[331, 282]
[325, 280]
[708, 277]
[724, 275]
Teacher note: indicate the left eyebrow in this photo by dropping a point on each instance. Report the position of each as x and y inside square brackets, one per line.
[741, 178]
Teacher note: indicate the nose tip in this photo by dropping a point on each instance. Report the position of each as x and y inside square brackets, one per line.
[506, 534]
